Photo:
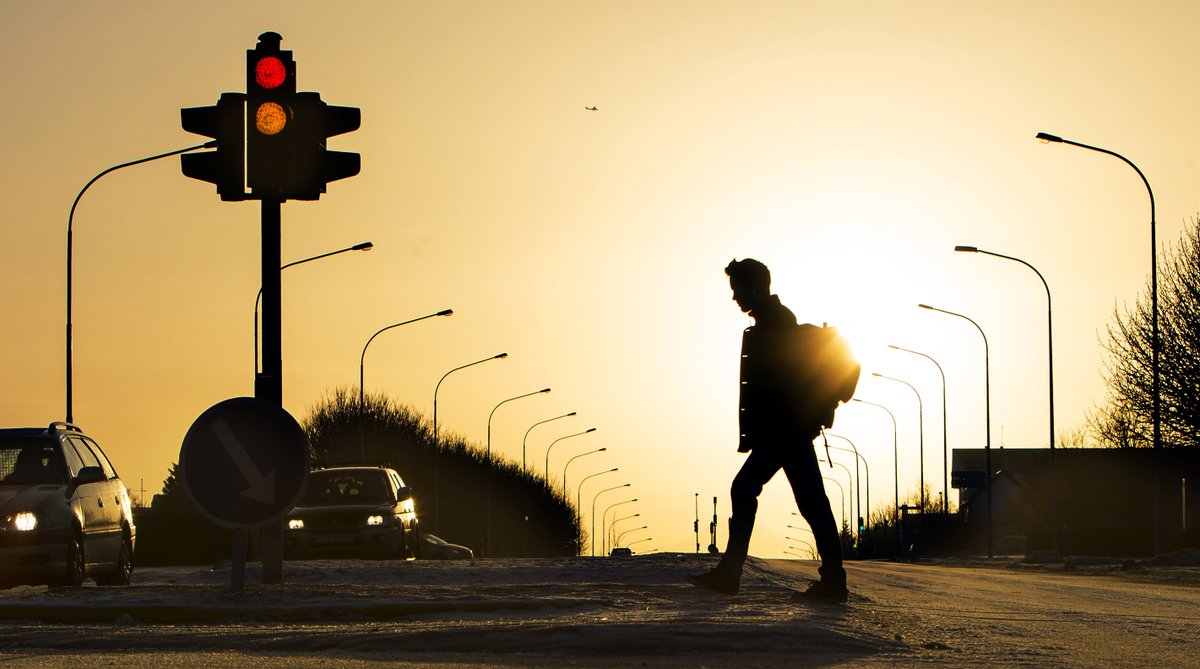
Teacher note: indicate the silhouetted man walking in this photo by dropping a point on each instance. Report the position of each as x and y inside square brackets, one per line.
[792, 379]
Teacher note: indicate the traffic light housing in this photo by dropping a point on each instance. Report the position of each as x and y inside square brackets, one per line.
[271, 133]
[286, 131]
[862, 526]
[223, 166]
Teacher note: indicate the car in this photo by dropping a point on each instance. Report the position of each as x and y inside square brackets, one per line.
[353, 512]
[65, 515]
[435, 548]
[621, 551]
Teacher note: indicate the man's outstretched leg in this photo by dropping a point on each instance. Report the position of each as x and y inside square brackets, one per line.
[805, 477]
[726, 577]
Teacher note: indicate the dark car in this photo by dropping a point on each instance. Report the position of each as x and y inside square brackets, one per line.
[354, 512]
[436, 548]
[64, 513]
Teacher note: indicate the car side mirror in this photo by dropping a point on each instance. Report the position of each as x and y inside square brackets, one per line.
[90, 475]
[403, 493]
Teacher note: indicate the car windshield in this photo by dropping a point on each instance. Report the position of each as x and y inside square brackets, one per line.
[31, 461]
[360, 487]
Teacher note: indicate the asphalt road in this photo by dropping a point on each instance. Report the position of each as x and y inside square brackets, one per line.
[605, 612]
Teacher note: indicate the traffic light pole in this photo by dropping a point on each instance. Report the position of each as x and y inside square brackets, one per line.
[268, 385]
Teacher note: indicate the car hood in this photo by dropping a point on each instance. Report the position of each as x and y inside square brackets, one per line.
[15, 498]
[342, 508]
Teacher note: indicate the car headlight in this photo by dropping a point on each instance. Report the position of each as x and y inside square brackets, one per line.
[25, 521]
[374, 520]
[295, 524]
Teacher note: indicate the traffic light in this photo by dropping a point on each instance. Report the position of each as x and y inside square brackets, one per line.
[286, 130]
[270, 110]
[861, 525]
[224, 166]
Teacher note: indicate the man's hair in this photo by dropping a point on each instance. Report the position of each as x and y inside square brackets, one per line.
[750, 273]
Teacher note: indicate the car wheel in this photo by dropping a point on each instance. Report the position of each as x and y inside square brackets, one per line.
[123, 567]
[75, 570]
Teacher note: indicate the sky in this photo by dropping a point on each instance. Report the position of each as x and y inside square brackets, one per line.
[849, 146]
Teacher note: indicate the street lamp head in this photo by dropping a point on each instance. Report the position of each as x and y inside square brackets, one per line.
[544, 390]
[878, 375]
[1046, 138]
[590, 429]
[601, 449]
[924, 306]
[212, 144]
[573, 413]
[500, 356]
[365, 246]
[966, 249]
[445, 312]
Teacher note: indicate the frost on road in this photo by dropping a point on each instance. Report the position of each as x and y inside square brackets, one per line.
[617, 611]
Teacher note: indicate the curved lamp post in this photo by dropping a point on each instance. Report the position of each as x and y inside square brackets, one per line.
[843, 491]
[362, 358]
[604, 522]
[364, 246]
[579, 497]
[572, 459]
[638, 541]
[895, 458]
[1155, 343]
[437, 442]
[612, 528]
[592, 539]
[812, 552]
[617, 542]
[945, 440]
[71, 256]
[858, 457]
[590, 429]
[921, 426]
[526, 437]
[1050, 345]
[987, 394]
[488, 530]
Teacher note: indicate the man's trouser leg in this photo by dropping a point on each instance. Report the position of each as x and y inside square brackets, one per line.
[759, 467]
[804, 474]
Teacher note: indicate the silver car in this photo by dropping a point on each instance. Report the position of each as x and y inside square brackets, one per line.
[353, 512]
[64, 513]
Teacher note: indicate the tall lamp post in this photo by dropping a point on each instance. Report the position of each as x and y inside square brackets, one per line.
[572, 459]
[590, 429]
[488, 532]
[604, 521]
[364, 246]
[1155, 343]
[71, 257]
[858, 457]
[617, 541]
[1050, 357]
[921, 426]
[987, 394]
[945, 440]
[525, 439]
[613, 529]
[895, 458]
[592, 539]
[362, 358]
[437, 442]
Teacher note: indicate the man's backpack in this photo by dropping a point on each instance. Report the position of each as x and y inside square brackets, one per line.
[828, 373]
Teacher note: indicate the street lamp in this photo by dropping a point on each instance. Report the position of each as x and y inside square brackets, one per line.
[437, 442]
[987, 395]
[921, 426]
[604, 521]
[841, 490]
[526, 437]
[639, 541]
[364, 246]
[590, 429]
[617, 542]
[895, 457]
[579, 497]
[612, 529]
[1050, 345]
[572, 459]
[488, 529]
[1155, 343]
[811, 551]
[363, 356]
[71, 255]
[945, 440]
[592, 539]
[858, 457]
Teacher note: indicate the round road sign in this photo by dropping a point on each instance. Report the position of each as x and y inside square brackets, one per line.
[244, 463]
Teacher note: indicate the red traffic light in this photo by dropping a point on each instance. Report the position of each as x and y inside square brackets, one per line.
[270, 72]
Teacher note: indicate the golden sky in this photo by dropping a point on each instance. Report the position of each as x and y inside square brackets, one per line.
[850, 146]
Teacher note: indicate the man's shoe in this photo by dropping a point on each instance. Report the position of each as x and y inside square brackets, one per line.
[723, 581]
[830, 592]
